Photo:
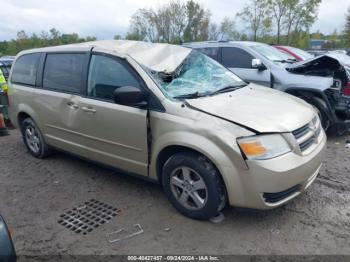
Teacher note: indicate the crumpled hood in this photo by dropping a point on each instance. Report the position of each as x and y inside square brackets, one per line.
[325, 66]
[315, 63]
[258, 108]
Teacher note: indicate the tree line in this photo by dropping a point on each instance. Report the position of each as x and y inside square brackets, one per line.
[51, 38]
[270, 21]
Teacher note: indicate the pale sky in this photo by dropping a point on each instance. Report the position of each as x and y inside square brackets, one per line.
[106, 18]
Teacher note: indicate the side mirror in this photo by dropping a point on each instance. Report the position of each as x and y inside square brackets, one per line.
[7, 251]
[130, 96]
[257, 64]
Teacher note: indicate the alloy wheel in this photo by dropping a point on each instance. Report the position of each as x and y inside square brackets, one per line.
[32, 138]
[189, 188]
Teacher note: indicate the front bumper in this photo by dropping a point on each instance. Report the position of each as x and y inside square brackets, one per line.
[272, 183]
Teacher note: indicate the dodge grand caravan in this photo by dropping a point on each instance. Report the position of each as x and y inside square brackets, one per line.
[170, 114]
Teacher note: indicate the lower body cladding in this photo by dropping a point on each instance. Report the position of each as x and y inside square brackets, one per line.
[267, 184]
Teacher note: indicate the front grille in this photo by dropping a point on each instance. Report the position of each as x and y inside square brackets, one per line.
[305, 145]
[301, 131]
[276, 197]
[307, 135]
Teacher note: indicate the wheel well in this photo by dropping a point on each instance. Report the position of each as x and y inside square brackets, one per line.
[308, 95]
[305, 95]
[20, 118]
[167, 152]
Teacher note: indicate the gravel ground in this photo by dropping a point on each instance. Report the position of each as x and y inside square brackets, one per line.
[34, 193]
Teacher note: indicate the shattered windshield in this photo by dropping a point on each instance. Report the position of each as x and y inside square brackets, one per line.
[198, 75]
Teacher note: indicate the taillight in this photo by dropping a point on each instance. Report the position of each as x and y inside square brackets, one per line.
[346, 90]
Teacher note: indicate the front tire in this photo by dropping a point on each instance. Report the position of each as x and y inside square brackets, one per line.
[193, 185]
[33, 139]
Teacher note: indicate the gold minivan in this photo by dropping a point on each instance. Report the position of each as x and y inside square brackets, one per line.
[169, 114]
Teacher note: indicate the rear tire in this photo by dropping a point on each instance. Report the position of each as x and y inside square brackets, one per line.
[33, 139]
[193, 185]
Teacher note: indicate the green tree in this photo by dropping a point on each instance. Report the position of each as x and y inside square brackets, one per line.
[228, 29]
[278, 9]
[347, 28]
[177, 12]
[334, 36]
[174, 22]
[214, 32]
[293, 16]
[301, 39]
[256, 16]
[292, 13]
[317, 35]
[55, 37]
[142, 26]
[306, 14]
[23, 41]
[197, 28]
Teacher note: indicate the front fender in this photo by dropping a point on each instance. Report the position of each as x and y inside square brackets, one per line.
[309, 93]
[229, 164]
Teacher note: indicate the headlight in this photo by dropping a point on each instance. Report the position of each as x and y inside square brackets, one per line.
[264, 146]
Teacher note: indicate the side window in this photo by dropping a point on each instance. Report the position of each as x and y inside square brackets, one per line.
[210, 51]
[236, 58]
[63, 72]
[25, 68]
[106, 74]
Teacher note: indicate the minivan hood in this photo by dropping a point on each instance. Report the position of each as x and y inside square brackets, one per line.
[262, 109]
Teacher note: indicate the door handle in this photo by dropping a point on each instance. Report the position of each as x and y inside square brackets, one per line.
[72, 105]
[88, 109]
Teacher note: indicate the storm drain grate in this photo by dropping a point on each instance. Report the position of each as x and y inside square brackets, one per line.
[88, 216]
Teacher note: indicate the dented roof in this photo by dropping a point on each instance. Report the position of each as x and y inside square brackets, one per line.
[158, 57]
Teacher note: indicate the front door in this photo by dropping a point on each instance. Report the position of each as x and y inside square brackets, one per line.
[114, 134]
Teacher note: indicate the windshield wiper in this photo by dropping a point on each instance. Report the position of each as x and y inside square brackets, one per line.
[190, 96]
[283, 61]
[228, 89]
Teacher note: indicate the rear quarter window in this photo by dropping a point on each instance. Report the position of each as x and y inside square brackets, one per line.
[63, 72]
[25, 69]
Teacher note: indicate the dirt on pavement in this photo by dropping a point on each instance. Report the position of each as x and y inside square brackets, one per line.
[34, 193]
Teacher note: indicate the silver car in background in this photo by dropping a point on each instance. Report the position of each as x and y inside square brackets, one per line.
[320, 81]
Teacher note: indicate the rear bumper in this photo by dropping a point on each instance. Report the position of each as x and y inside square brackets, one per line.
[271, 183]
